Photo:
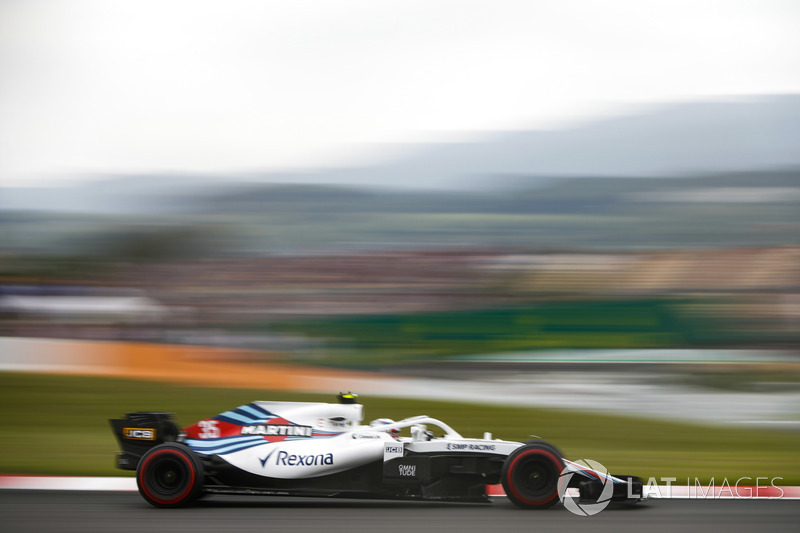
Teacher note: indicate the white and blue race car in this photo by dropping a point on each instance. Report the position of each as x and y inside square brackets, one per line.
[322, 449]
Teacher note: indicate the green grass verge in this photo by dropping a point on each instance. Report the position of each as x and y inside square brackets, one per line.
[58, 425]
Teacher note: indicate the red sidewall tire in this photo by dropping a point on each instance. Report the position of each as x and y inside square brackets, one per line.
[169, 475]
[530, 475]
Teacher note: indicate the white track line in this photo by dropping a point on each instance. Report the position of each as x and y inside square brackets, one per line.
[689, 492]
[67, 483]
[659, 492]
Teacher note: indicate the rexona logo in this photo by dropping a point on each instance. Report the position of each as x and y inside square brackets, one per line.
[139, 433]
[278, 430]
[287, 459]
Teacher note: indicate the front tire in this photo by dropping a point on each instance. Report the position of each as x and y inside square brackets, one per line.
[170, 475]
[530, 475]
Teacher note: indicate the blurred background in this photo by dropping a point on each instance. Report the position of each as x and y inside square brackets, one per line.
[555, 205]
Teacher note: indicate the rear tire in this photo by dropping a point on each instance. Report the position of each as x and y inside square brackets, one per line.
[530, 475]
[170, 475]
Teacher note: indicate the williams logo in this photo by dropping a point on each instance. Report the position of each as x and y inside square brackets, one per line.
[277, 430]
[139, 433]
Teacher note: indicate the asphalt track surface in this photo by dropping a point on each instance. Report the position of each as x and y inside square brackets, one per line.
[85, 511]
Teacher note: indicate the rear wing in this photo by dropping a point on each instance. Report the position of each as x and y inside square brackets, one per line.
[140, 431]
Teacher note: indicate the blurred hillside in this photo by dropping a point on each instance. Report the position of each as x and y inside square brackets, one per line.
[741, 209]
[524, 259]
[731, 135]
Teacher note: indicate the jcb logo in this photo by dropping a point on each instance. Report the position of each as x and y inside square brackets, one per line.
[139, 433]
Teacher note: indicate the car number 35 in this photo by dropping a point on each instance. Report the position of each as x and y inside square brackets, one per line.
[208, 429]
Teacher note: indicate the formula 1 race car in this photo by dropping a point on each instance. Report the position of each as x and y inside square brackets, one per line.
[321, 449]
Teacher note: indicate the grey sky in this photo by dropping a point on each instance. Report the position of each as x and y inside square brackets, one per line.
[192, 85]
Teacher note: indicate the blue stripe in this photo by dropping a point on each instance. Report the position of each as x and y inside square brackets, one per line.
[259, 410]
[233, 417]
[203, 443]
[245, 414]
[231, 449]
[320, 433]
[224, 446]
[259, 414]
[598, 475]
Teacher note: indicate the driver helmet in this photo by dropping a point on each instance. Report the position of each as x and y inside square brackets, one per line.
[378, 422]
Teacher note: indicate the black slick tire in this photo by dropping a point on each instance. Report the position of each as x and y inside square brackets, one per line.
[530, 475]
[170, 475]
